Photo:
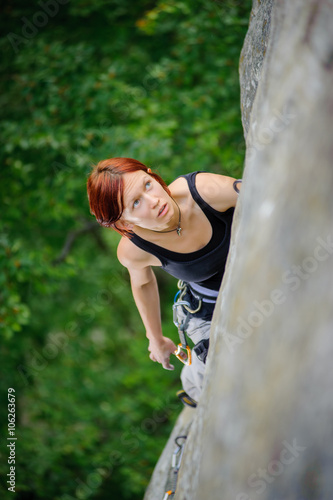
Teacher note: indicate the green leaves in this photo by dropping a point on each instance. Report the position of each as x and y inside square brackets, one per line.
[156, 81]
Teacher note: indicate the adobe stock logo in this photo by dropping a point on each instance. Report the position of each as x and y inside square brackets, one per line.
[293, 278]
[264, 476]
[30, 28]
[265, 133]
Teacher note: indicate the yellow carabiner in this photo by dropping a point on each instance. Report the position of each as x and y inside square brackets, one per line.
[178, 353]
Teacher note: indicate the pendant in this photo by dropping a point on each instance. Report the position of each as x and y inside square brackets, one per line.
[179, 230]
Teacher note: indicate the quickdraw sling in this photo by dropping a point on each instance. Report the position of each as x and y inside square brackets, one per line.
[201, 348]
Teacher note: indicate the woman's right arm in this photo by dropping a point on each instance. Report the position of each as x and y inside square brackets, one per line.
[146, 295]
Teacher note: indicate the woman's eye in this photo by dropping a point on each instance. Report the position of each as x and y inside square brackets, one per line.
[148, 184]
[136, 203]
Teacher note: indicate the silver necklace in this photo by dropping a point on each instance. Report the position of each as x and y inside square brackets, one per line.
[178, 228]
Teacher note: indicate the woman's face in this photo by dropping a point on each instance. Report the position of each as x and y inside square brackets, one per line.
[146, 203]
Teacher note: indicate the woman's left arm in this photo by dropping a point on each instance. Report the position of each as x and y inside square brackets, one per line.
[217, 190]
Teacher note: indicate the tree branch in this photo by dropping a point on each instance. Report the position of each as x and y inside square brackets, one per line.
[90, 226]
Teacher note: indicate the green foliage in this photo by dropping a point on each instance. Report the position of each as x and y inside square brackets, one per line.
[157, 81]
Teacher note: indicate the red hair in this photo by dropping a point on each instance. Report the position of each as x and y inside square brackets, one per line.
[105, 188]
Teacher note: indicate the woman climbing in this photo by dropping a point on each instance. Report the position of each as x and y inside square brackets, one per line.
[185, 229]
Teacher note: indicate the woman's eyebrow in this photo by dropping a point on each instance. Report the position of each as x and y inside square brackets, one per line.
[135, 197]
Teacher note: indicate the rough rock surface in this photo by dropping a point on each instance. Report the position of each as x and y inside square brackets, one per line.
[159, 482]
[252, 56]
[264, 426]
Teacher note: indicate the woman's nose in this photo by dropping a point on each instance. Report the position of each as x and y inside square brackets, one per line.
[153, 200]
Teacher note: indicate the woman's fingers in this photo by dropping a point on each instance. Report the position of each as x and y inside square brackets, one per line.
[152, 357]
[166, 364]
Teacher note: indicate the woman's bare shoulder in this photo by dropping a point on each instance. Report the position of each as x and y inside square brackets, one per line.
[217, 190]
[131, 256]
[179, 187]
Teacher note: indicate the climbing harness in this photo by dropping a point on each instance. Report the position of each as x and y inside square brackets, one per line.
[181, 332]
[201, 348]
[182, 325]
[183, 288]
[175, 466]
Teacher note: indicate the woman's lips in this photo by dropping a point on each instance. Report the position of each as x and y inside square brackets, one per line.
[163, 210]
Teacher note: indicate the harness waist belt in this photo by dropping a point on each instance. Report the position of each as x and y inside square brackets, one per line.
[206, 294]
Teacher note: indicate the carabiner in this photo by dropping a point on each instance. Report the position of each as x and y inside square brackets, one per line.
[178, 453]
[183, 289]
[178, 352]
[179, 303]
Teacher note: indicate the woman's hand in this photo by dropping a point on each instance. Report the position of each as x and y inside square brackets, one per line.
[160, 351]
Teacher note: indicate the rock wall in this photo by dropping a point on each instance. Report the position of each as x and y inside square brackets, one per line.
[252, 56]
[264, 426]
[161, 480]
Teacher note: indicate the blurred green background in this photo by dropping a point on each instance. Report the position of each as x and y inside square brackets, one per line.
[81, 81]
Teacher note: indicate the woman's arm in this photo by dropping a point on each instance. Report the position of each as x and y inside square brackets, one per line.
[146, 295]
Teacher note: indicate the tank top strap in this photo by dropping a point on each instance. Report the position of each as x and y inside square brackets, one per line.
[206, 208]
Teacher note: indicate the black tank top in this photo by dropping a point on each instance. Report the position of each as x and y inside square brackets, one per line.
[205, 266]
